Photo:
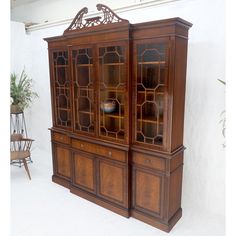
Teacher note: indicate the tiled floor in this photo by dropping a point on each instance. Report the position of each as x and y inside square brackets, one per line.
[42, 208]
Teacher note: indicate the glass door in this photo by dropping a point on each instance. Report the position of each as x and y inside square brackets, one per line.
[62, 94]
[112, 92]
[83, 81]
[151, 81]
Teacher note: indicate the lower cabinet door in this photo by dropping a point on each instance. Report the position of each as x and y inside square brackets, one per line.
[113, 182]
[62, 161]
[84, 171]
[148, 191]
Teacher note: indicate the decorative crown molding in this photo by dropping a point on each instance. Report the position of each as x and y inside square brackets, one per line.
[79, 22]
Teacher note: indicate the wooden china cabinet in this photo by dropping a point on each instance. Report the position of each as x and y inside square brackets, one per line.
[129, 157]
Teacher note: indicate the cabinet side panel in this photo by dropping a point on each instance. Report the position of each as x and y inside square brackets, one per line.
[179, 92]
[50, 52]
[175, 191]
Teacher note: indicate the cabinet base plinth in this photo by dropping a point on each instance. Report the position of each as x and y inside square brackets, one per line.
[61, 181]
[154, 221]
[119, 210]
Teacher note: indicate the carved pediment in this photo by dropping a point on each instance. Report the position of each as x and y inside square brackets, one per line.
[108, 17]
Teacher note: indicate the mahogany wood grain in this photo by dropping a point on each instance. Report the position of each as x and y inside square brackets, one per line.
[147, 192]
[129, 176]
[111, 153]
[84, 171]
[62, 138]
[112, 182]
[63, 162]
[175, 191]
[149, 161]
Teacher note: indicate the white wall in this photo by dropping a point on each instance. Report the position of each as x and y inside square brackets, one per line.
[203, 183]
[44, 10]
[20, 50]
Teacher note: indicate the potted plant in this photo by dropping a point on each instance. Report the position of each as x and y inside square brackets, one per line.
[21, 92]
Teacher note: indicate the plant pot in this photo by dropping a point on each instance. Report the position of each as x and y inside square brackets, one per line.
[15, 109]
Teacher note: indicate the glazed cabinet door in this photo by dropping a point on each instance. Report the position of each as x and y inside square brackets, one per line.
[61, 161]
[84, 171]
[148, 191]
[113, 87]
[150, 92]
[113, 182]
[60, 87]
[83, 89]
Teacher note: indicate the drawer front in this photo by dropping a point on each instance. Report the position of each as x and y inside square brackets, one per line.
[149, 161]
[62, 138]
[111, 153]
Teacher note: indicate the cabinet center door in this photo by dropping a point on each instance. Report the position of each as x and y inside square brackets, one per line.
[113, 100]
[83, 89]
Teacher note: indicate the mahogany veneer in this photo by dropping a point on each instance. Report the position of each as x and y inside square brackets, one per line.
[130, 159]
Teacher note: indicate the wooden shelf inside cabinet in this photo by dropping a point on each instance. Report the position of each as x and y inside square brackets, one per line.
[113, 115]
[152, 63]
[61, 66]
[151, 92]
[63, 87]
[112, 89]
[86, 112]
[84, 65]
[63, 109]
[150, 119]
[84, 88]
[113, 64]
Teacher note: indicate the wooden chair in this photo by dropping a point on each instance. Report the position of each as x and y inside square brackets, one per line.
[20, 149]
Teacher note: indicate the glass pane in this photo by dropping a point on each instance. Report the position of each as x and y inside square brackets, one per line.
[112, 77]
[62, 88]
[151, 82]
[83, 72]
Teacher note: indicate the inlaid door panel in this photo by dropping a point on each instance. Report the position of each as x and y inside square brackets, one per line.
[62, 160]
[147, 192]
[84, 171]
[112, 182]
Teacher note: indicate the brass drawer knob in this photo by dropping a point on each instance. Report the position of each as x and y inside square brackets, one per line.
[81, 145]
[109, 153]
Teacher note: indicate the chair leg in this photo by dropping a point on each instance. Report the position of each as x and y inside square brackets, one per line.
[26, 168]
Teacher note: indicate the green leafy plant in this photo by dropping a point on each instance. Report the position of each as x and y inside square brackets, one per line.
[21, 90]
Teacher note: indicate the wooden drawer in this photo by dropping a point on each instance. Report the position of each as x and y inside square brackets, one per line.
[148, 161]
[111, 153]
[62, 138]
